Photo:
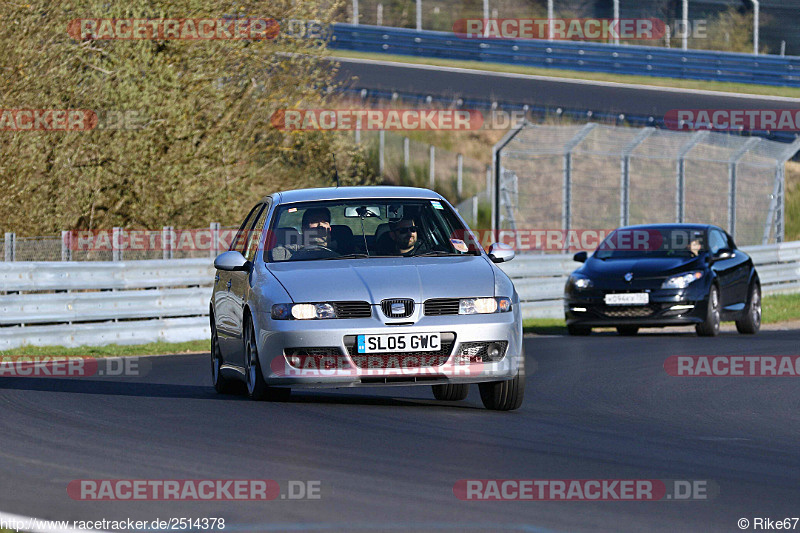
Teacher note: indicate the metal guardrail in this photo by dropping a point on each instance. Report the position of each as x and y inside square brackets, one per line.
[582, 56]
[133, 302]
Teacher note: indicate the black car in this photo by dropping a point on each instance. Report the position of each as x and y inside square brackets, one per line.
[664, 275]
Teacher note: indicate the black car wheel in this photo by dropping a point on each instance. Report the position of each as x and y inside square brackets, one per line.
[257, 388]
[505, 395]
[710, 326]
[580, 331]
[627, 331]
[221, 384]
[450, 393]
[750, 322]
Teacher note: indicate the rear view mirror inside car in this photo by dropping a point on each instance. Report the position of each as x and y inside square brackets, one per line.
[364, 210]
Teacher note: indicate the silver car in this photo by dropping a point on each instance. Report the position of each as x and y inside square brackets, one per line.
[364, 286]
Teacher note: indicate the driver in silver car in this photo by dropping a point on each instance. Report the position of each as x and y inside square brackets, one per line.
[316, 228]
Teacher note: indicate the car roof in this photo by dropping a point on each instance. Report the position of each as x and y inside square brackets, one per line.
[346, 193]
[673, 226]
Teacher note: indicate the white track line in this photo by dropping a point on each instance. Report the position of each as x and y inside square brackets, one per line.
[460, 70]
[26, 522]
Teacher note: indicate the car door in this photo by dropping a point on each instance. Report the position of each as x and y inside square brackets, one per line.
[725, 269]
[741, 276]
[240, 281]
[223, 305]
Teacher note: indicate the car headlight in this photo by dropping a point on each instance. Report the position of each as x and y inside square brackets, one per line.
[303, 311]
[682, 281]
[480, 306]
[580, 282]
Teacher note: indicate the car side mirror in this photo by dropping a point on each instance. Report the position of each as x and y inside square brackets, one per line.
[501, 253]
[580, 257]
[231, 262]
[723, 253]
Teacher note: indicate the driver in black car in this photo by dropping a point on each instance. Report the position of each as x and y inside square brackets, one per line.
[316, 227]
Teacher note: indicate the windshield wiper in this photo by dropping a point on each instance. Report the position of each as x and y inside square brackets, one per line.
[437, 253]
[348, 256]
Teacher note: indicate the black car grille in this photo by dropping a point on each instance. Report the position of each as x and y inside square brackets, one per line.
[401, 359]
[408, 307]
[629, 311]
[441, 306]
[316, 351]
[352, 309]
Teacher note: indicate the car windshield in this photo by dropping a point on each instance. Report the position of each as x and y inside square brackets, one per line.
[652, 242]
[360, 229]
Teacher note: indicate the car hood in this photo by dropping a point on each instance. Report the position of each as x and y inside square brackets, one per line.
[373, 280]
[641, 268]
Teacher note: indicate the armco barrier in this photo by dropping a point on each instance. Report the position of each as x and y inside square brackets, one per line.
[133, 302]
[582, 56]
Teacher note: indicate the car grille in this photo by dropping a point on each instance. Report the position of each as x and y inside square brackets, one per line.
[401, 359]
[352, 309]
[441, 306]
[629, 311]
[408, 307]
[316, 351]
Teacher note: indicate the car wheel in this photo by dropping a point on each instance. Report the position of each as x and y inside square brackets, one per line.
[257, 388]
[505, 395]
[750, 323]
[628, 331]
[578, 330]
[221, 384]
[450, 393]
[710, 326]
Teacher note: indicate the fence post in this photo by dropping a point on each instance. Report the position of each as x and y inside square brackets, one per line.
[419, 15]
[680, 193]
[379, 17]
[460, 174]
[406, 154]
[732, 164]
[116, 244]
[358, 136]
[381, 151]
[432, 166]
[625, 176]
[166, 242]
[488, 179]
[10, 246]
[355, 12]
[66, 245]
[214, 239]
[475, 209]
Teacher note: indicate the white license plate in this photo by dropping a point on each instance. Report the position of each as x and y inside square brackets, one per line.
[399, 342]
[631, 298]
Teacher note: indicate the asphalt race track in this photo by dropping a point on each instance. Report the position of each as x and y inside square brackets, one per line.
[542, 91]
[599, 407]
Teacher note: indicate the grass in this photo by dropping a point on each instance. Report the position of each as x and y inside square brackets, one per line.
[742, 88]
[112, 350]
[774, 309]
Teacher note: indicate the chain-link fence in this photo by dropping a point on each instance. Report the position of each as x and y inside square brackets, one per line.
[598, 177]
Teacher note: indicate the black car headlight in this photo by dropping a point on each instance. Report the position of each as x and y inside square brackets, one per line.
[682, 281]
[313, 311]
[480, 306]
[580, 282]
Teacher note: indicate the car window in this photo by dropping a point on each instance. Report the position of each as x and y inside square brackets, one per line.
[254, 235]
[717, 241]
[237, 244]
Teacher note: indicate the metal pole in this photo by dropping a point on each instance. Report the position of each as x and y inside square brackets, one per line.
[381, 149]
[781, 214]
[460, 174]
[379, 17]
[116, 244]
[475, 209]
[355, 12]
[10, 246]
[485, 10]
[358, 136]
[419, 15]
[756, 9]
[549, 20]
[732, 163]
[166, 242]
[214, 239]
[616, 22]
[406, 154]
[685, 24]
[66, 245]
[432, 166]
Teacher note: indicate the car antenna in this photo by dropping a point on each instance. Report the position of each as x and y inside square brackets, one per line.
[335, 170]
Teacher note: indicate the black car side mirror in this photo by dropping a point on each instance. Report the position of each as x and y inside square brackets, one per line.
[580, 257]
[723, 253]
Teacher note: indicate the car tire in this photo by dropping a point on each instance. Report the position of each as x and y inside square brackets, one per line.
[221, 384]
[710, 326]
[750, 322]
[505, 395]
[628, 331]
[257, 388]
[579, 331]
[450, 392]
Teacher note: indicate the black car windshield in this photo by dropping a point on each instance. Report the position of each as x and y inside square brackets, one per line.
[652, 242]
[362, 228]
